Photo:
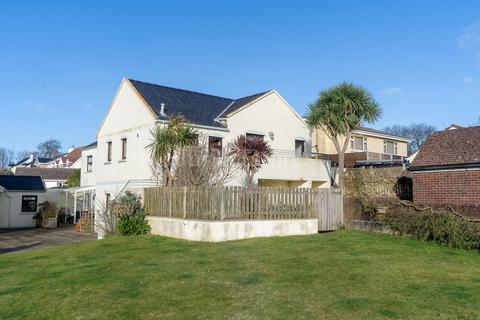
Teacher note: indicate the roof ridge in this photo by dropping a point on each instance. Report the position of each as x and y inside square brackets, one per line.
[184, 90]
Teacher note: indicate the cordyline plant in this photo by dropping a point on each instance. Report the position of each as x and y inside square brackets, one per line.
[250, 154]
[338, 111]
[165, 141]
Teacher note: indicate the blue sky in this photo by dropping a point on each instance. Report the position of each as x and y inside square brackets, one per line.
[61, 62]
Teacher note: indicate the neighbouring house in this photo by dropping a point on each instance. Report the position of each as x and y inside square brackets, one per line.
[19, 200]
[52, 177]
[367, 148]
[32, 161]
[71, 159]
[119, 159]
[446, 170]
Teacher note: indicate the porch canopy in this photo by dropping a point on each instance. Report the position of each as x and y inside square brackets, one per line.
[78, 198]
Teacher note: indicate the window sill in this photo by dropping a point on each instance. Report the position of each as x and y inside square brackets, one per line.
[108, 162]
[123, 160]
[27, 213]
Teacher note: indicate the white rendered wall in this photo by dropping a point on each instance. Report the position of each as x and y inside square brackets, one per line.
[216, 231]
[11, 215]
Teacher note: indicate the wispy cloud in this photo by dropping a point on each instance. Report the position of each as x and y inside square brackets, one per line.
[391, 91]
[469, 38]
[468, 79]
[35, 106]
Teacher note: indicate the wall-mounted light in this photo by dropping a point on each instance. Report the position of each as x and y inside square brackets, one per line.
[271, 135]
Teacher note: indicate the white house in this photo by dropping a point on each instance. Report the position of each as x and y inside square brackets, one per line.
[19, 200]
[119, 160]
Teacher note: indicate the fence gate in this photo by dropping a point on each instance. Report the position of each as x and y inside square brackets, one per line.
[329, 209]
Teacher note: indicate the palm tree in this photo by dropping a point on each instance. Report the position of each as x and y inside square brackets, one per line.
[338, 111]
[168, 139]
[250, 154]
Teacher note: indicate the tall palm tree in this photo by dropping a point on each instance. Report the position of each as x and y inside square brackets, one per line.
[250, 154]
[338, 111]
[177, 134]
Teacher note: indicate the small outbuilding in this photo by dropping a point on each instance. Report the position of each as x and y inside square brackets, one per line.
[20, 197]
[446, 171]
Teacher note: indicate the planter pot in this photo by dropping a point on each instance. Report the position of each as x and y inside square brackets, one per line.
[77, 227]
[50, 223]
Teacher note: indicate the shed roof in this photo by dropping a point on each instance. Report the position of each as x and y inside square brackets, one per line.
[22, 183]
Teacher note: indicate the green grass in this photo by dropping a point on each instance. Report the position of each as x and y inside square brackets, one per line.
[341, 275]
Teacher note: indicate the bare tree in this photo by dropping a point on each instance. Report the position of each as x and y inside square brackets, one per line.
[49, 148]
[199, 165]
[25, 154]
[416, 132]
[7, 156]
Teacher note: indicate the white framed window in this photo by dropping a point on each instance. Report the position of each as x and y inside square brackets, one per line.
[124, 148]
[390, 147]
[358, 143]
[109, 151]
[299, 148]
[89, 163]
[215, 145]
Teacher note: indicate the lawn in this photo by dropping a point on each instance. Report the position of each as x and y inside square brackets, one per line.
[341, 275]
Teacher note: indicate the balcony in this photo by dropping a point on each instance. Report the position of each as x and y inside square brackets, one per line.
[366, 158]
[289, 168]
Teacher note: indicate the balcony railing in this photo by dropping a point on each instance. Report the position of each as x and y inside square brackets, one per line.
[280, 153]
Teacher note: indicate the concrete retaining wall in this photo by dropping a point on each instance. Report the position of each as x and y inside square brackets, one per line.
[216, 231]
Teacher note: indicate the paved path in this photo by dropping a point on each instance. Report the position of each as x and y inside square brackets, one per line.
[28, 239]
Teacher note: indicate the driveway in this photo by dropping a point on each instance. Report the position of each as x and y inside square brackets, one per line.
[28, 239]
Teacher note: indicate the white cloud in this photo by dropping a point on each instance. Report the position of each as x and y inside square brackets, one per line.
[390, 91]
[35, 106]
[469, 38]
[468, 79]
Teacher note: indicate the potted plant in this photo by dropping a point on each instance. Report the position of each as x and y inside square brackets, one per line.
[48, 212]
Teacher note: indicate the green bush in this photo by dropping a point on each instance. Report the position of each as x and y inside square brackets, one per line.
[444, 228]
[133, 225]
[132, 219]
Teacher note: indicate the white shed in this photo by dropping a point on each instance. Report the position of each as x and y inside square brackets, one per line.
[20, 197]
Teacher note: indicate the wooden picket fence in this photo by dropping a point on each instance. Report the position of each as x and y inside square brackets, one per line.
[237, 203]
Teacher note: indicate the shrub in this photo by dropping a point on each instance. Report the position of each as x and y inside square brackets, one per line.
[444, 228]
[132, 218]
[369, 211]
[133, 225]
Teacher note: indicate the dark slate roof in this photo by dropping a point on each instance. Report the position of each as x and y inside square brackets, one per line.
[91, 145]
[455, 147]
[43, 159]
[46, 173]
[197, 108]
[237, 104]
[22, 183]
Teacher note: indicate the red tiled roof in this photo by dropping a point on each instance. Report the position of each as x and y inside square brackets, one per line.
[450, 147]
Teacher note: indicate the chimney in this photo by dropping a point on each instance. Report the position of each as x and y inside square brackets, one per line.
[162, 110]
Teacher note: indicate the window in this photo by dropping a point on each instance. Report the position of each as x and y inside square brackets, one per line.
[109, 151]
[29, 203]
[254, 136]
[390, 147]
[89, 163]
[215, 146]
[107, 199]
[299, 148]
[124, 148]
[358, 143]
